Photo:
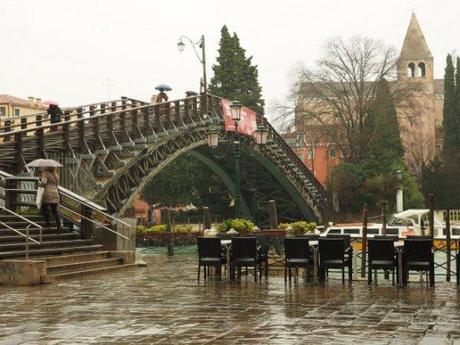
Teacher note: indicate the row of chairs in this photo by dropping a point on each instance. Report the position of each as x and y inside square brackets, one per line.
[335, 252]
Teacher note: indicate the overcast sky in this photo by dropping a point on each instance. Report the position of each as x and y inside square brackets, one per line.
[85, 51]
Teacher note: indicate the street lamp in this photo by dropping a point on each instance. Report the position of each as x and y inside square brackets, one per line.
[399, 192]
[213, 138]
[201, 44]
[261, 135]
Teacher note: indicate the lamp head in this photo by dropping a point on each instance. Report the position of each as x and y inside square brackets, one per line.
[235, 109]
[181, 45]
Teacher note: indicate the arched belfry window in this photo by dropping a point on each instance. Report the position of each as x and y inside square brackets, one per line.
[411, 70]
[421, 70]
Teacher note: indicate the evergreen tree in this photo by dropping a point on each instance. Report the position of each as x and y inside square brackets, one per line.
[449, 122]
[235, 78]
[385, 144]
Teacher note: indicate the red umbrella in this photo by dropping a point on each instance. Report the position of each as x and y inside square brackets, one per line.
[50, 102]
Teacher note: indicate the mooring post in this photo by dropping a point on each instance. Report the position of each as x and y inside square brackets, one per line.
[364, 247]
[431, 215]
[166, 215]
[384, 218]
[206, 218]
[448, 242]
[273, 214]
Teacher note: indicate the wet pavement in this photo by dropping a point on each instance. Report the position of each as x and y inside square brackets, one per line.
[163, 303]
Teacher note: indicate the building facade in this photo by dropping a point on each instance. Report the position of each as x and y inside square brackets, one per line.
[421, 136]
[12, 107]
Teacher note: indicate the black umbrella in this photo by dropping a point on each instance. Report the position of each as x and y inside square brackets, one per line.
[163, 87]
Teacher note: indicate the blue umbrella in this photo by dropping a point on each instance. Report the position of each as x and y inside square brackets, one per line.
[163, 87]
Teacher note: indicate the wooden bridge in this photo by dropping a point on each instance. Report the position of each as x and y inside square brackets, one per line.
[111, 149]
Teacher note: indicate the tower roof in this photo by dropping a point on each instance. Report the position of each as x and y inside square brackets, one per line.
[414, 45]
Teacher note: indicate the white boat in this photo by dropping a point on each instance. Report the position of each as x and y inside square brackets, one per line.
[402, 224]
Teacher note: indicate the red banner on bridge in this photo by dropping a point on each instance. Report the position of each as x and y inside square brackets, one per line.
[248, 123]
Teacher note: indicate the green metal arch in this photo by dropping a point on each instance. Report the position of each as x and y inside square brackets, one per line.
[282, 180]
[226, 180]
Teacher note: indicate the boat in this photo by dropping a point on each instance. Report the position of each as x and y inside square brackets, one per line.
[412, 222]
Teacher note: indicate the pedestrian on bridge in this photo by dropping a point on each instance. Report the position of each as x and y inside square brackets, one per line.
[55, 114]
[50, 182]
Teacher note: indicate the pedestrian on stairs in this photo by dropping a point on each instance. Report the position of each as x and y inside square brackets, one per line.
[50, 182]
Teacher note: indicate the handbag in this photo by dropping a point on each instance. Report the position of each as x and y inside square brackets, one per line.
[39, 197]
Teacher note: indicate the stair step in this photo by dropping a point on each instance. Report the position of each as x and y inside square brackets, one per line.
[72, 258]
[83, 266]
[48, 251]
[90, 271]
[45, 237]
[47, 244]
[33, 231]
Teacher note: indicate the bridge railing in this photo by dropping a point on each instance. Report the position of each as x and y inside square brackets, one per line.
[295, 159]
[12, 124]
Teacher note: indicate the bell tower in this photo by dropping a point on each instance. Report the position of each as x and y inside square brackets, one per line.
[415, 59]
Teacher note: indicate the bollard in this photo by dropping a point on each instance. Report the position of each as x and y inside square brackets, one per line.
[364, 248]
[273, 214]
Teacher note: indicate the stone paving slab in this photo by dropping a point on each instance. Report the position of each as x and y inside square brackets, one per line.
[164, 304]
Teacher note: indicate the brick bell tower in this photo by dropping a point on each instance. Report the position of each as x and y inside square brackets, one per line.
[415, 59]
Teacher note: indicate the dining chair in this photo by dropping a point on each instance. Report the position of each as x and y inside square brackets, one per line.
[210, 255]
[418, 255]
[297, 254]
[333, 254]
[381, 254]
[244, 254]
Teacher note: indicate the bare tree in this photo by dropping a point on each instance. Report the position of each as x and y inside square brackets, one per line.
[338, 94]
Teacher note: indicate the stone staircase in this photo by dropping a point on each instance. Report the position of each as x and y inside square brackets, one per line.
[64, 252]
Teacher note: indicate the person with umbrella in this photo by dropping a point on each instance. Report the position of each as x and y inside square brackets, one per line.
[54, 113]
[49, 181]
[162, 96]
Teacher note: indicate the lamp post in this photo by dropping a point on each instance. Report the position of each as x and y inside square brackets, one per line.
[235, 109]
[201, 44]
[260, 137]
[399, 192]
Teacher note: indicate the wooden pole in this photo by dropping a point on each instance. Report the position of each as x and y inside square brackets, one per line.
[384, 218]
[206, 218]
[273, 214]
[364, 250]
[431, 215]
[448, 242]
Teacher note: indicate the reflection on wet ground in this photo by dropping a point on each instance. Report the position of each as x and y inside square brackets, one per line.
[163, 303]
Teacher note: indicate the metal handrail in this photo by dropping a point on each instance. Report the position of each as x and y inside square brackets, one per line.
[94, 208]
[94, 222]
[26, 235]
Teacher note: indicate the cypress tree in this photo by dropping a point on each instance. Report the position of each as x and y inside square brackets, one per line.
[385, 143]
[235, 78]
[449, 122]
[457, 105]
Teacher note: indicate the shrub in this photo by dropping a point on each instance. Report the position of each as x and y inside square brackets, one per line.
[239, 224]
[183, 228]
[303, 226]
[283, 226]
[140, 229]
